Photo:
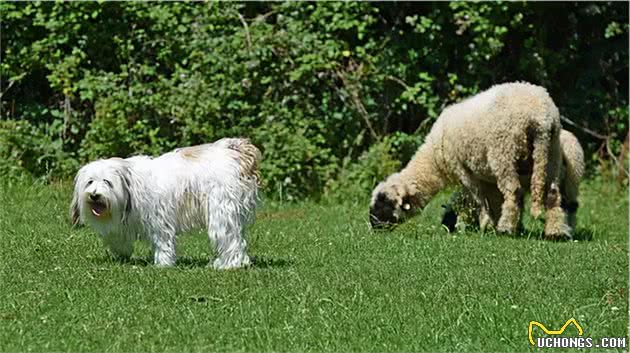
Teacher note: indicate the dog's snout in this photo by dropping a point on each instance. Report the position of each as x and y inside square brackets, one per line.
[95, 197]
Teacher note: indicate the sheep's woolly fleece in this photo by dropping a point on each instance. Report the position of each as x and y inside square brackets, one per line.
[485, 142]
[213, 187]
[461, 210]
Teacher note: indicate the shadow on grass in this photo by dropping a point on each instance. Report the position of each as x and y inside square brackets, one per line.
[268, 262]
[537, 233]
[262, 262]
[583, 234]
[534, 233]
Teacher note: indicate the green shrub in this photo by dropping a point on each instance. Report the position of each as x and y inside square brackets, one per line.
[318, 86]
[356, 179]
[34, 151]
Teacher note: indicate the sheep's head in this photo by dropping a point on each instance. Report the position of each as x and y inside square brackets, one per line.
[391, 203]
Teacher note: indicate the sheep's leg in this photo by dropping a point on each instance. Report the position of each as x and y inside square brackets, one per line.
[572, 172]
[555, 225]
[569, 203]
[475, 189]
[486, 217]
[494, 199]
[510, 186]
[495, 202]
[542, 141]
[485, 220]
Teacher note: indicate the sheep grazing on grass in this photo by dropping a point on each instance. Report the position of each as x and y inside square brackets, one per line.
[462, 211]
[486, 142]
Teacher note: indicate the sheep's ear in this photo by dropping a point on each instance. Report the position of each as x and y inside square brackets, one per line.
[409, 204]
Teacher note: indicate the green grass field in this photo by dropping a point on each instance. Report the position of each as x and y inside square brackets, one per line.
[323, 282]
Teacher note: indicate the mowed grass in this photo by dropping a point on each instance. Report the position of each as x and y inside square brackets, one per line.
[323, 282]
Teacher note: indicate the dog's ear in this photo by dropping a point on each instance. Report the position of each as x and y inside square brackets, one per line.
[126, 182]
[75, 217]
[75, 213]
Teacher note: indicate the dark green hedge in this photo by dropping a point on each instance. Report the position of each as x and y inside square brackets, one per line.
[336, 94]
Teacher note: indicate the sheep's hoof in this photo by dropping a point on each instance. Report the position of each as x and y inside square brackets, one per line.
[506, 225]
[558, 237]
[560, 233]
[536, 211]
[504, 231]
[486, 223]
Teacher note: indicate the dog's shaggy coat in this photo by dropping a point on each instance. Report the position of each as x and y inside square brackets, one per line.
[490, 140]
[212, 186]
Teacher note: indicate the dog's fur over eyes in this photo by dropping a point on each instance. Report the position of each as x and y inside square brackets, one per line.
[212, 186]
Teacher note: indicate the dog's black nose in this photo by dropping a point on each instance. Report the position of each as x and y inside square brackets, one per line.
[95, 197]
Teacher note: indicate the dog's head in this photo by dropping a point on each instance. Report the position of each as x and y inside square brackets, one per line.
[102, 196]
[391, 203]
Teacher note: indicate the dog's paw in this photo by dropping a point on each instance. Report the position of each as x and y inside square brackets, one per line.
[232, 262]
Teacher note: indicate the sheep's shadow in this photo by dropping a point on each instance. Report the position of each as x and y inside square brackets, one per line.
[258, 262]
[526, 230]
[579, 234]
[537, 233]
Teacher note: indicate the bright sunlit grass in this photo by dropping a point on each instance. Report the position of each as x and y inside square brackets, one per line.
[323, 282]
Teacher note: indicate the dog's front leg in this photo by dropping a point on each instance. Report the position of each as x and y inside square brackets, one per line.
[164, 249]
[120, 246]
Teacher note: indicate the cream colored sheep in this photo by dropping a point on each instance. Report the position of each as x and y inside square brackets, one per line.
[485, 142]
[572, 173]
[461, 208]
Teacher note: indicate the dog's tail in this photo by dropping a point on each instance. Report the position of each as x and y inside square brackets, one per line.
[249, 157]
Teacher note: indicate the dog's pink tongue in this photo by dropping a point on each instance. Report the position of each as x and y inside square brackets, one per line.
[97, 209]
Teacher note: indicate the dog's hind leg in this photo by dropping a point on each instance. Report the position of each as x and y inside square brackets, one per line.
[227, 218]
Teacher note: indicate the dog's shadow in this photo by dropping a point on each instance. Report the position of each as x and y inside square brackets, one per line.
[258, 262]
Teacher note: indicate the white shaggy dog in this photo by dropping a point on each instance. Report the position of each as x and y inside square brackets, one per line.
[213, 186]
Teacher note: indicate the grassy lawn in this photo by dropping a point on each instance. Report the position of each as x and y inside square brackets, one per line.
[323, 282]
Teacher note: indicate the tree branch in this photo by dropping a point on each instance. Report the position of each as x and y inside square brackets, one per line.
[354, 95]
[590, 132]
[248, 37]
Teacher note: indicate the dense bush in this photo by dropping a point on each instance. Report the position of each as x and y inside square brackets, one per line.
[335, 94]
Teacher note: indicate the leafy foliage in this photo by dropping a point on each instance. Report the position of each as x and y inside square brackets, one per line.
[315, 85]
[374, 165]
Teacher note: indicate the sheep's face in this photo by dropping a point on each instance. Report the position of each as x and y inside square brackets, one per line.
[389, 205]
[384, 212]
